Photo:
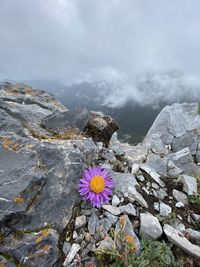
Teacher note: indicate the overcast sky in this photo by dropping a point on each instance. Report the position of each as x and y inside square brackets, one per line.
[73, 40]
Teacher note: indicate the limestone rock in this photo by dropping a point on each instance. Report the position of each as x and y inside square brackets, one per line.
[72, 253]
[92, 223]
[114, 210]
[184, 161]
[115, 200]
[179, 240]
[180, 196]
[165, 209]
[128, 209]
[33, 249]
[150, 226]
[194, 235]
[80, 221]
[174, 121]
[190, 184]
[189, 139]
[77, 118]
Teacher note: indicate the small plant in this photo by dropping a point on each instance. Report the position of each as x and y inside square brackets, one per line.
[195, 199]
[122, 246]
[154, 254]
[167, 219]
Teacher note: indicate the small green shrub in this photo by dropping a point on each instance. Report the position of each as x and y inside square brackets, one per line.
[153, 254]
[195, 199]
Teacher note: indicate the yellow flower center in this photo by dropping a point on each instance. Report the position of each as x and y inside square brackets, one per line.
[97, 184]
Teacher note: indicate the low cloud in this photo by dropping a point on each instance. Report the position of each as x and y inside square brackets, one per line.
[131, 44]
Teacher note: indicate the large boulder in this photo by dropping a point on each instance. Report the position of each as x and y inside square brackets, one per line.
[175, 126]
[94, 124]
[39, 177]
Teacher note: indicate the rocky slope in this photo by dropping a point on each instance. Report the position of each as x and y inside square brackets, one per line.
[43, 150]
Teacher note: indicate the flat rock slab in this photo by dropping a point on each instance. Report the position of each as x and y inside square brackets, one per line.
[32, 249]
[77, 118]
[179, 240]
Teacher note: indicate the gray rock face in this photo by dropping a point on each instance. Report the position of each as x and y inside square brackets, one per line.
[96, 125]
[190, 184]
[115, 200]
[114, 210]
[39, 174]
[198, 154]
[172, 170]
[80, 221]
[184, 161]
[72, 253]
[174, 121]
[194, 235]
[150, 226]
[165, 209]
[77, 118]
[126, 186]
[180, 196]
[34, 249]
[154, 175]
[92, 223]
[128, 209]
[177, 130]
[190, 139]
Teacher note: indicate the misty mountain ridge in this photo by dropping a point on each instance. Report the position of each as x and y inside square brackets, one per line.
[147, 89]
[134, 105]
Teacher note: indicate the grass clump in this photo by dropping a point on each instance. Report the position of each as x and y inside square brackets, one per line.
[153, 254]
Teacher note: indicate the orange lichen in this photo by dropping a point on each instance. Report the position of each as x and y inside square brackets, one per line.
[29, 146]
[44, 248]
[19, 200]
[41, 235]
[131, 244]
[10, 145]
[28, 90]
[39, 251]
[2, 265]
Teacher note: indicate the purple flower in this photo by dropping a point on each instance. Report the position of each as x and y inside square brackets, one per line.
[96, 186]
